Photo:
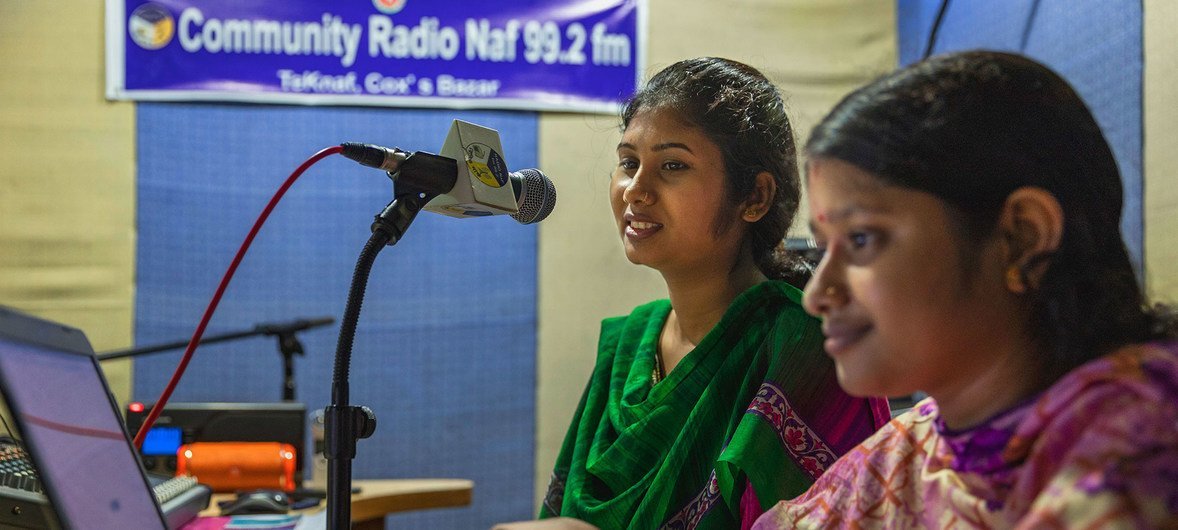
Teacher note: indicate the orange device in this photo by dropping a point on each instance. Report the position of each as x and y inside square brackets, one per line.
[233, 466]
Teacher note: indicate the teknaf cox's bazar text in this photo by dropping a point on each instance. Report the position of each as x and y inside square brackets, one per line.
[532, 41]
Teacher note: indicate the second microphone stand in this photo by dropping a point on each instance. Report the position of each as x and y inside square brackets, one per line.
[288, 345]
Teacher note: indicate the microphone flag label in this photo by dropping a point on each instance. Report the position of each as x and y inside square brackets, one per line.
[482, 187]
[486, 165]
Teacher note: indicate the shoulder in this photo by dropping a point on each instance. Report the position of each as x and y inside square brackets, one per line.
[639, 316]
[905, 439]
[1103, 441]
[775, 292]
[1147, 368]
[903, 443]
[1138, 379]
[863, 485]
[776, 304]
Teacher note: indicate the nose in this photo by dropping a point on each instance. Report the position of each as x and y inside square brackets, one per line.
[827, 289]
[635, 189]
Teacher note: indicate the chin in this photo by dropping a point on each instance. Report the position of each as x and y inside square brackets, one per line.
[637, 256]
[858, 383]
[633, 256]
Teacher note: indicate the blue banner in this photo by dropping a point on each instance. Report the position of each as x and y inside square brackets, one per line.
[570, 55]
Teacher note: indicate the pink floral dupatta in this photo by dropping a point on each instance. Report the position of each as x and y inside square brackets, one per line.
[1098, 449]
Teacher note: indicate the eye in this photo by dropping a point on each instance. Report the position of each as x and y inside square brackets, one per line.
[864, 245]
[860, 240]
[672, 165]
[628, 163]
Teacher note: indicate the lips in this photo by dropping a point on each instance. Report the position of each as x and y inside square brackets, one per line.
[841, 336]
[640, 227]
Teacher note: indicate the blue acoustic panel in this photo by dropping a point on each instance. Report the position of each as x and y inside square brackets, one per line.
[445, 347]
[993, 24]
[1094, 44]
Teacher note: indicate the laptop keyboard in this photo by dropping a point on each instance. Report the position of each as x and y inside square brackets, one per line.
[21, 498]
[16, 471]
[172, 488]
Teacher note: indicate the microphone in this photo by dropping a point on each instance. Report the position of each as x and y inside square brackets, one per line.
[469, 177]
[535, 196]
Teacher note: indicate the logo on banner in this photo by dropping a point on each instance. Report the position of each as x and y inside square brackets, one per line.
[151, 26]
[390, 7]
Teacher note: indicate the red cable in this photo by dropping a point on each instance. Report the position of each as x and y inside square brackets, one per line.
[204, 321]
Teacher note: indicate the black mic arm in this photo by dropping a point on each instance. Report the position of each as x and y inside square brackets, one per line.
[417, 179]
[346, 424]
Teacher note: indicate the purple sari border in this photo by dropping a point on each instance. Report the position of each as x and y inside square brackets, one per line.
[689, 517]
[805, 446]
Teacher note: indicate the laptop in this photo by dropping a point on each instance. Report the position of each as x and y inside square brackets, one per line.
[85, 468]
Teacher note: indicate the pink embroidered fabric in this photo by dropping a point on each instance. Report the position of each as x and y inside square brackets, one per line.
[1098, 449]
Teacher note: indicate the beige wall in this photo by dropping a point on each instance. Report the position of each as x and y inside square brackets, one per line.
[816, 50]
[1160, 123]
[67, 177]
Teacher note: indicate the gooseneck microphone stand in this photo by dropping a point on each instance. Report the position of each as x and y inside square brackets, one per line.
[417, 179]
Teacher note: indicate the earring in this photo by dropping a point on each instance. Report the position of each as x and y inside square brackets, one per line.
[751, 212]
[1014, 280]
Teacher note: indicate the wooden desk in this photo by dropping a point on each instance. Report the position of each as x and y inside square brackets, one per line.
[378, 498]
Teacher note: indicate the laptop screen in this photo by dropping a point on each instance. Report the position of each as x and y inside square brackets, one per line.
[72, 430]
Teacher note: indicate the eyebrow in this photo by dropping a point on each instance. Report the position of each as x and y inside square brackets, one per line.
[843, 213]
[659, 147]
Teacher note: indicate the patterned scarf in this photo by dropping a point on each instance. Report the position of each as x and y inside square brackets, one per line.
[1098, 449]
[756, 402]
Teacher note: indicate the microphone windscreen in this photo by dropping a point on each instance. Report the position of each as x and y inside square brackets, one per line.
[537, 196]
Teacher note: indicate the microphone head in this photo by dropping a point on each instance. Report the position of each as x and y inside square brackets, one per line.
[536, 196]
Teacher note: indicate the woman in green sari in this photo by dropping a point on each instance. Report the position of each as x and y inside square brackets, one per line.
[706, 408]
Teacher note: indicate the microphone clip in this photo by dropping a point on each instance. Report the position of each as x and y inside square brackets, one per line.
[417, 178]
[424, 172]
[396, 217]
[419, 170]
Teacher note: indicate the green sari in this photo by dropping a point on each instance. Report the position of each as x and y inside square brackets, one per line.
[755, 403]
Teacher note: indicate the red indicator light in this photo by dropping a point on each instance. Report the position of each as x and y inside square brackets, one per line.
[135, 407]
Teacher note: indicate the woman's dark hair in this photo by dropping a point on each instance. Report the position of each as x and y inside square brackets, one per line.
[970, 128]
[743, 114]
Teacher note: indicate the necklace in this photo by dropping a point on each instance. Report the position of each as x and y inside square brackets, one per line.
[657, 374]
